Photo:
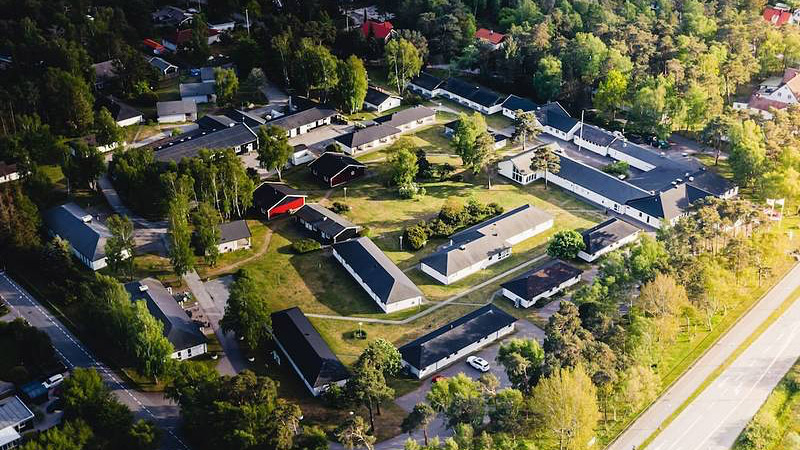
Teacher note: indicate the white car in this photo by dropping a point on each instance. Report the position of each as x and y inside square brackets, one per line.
[478, 363]
[53, 381]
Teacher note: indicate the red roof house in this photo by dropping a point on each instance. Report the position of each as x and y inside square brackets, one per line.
[276, 199]
[777, 16]
[489, 36]
[180, 37]
[155, 46]
[381, 30]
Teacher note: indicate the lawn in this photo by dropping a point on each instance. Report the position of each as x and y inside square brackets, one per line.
[496, 121]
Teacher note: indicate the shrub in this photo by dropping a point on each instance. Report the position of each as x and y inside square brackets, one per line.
[411, 190]
[565, 244]
[305, 245]
[339, 207]
[415, 236]
[617, 168]
[761, 433]
[366, 232]
[444, 171]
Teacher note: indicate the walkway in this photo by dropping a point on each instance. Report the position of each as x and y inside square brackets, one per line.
[721, 419]
[437, 305]
[146, 233]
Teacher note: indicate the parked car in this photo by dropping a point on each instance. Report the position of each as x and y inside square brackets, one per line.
[478, 363]
[659, 143]
[56, 405]
[437, 378]
[53, 381]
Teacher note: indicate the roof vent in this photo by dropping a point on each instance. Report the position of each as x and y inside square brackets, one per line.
[686, 174]
[691, 178]
[674, 183]
[462, 247]
[143, 288]
[87, 218]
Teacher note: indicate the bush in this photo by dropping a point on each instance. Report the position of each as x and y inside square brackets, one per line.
[339, 207]
[411, 190]
[617, 168]
[444, 171]
[565, 244]
[415, 236]
[366, 232]
[761, 433]
[305, 245]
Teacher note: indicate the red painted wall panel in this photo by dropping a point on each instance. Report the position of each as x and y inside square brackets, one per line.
[288, 204]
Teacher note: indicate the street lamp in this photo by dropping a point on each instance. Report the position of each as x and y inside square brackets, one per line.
[345, 192]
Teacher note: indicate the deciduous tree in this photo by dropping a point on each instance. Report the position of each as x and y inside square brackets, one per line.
[274, 150]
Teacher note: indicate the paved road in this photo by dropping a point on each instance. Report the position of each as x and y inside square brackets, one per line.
[724, 407]
[149, 406]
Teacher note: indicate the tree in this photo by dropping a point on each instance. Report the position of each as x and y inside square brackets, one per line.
[151, 347]
[367, 387]
[662, 297]
[472, 142]
[403, 62]
[106, 129]
[382, 355]
[206, 224]
[247, 312]
[354, 433]
[315, 68]
[522, 360]
[84, 165]
[748, 152]
[548, 78]
[352, 87]
[274, 150]
[72, 435]
[545, 160]
[419, 417]
[526, 127]
[612, 92]
[459, 399]
[567, 406]
[565, 244]
[565, 339]
[180, 250]
[198, 47]
[226, 85]
[587, 56]
[19, 219]
[71, 101]
[505, 411]
[402, 163]
[119, 247]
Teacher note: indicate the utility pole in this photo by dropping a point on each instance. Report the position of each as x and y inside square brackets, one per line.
[582, 112]
[247, 20]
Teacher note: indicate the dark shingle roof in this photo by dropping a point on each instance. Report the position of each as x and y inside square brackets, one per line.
[331, 163]
[486, 97]
[605, 234]
[196, 89]
[306, 348]
[454, 336]
[270, 194]
[669, 204]
[188, 145]
[459, 87]
[305, 117]
[179, 329]
[514, 103]
[487, 238]
[376, 97]
[541, 279]
[119, 110]
[377, 271]
[637, 151]
[406, 116]
[558, 121]
[710, 182]
[595, 135]
[7, 169]
[324, 219]
[427, 81]
[249, 119]
[366, 135]
[213, 122]
[233, 231]
[87, 237]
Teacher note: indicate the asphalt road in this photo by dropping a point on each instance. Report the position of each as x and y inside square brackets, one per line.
[149, 406]
[718, 414]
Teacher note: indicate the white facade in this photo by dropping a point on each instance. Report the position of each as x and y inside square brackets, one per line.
[622, 242]
[591, 146]
[384, 141]
[634, 162]
[390, 308]
[10, 177]
[424, 92]
[520, 302]
[302, 129]
[232, 246]
[648, 219]
[132, 121]
[566, 136]
[413, 125]
[302, 157]
[314, 391]
[174, 118]
[446, 361]
[190, 352]
[390, 103]
[201, 98]
[488, 110]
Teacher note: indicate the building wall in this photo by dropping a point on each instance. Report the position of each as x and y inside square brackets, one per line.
[642, 217]
[520, 302]
[594, 256]
[600, 150]
[10, 177]
[450, 359]
[390, 103]
[423, 92]
[241, 244]
[396, 306]
[567, 136]
[467, 271]
[132, 121]
[370, 145]
[314, 391]
[637, 163]
[286, 206]
[350, 173]
[175, 118]
[417, 123]
[190, 352]
[529, 233]
[302, 157]
[199, 98]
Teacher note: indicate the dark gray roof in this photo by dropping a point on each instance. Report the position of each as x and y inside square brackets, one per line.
[176, 107]
[306, 348]
[87, 237]
[331, 163]
[485, 239]
[7, 169]
[376, 97]
[710, 182]
[670, 203]
[486, 97]
[247, 118]
[233, 231]
[324, 220]
[607, 233]
[455, 336]
[196, 89]
[555, 119]
[160, 63]
[459, 87]
[207, 74]
[366, 135]
[305, 117]
[188, 145]
[104, 70]
[213, 122]
[595, 135]
[119, 110]
[637, 151]
[377, 271]
[13, 412]
[406, 116]
[427, 81]
[514, 103]
[179, 329]
[542, 278]
[269, 194]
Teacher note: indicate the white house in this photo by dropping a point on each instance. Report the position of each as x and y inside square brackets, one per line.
[380, 278]
[187, 340]
[474, 97]
[363, 139]
[594, 139]
[774, 92]
[8, 172]
[124, 114]
[607, 237]
[514, 103]
[484, 244]
[234, 236]
[305, 350]
[380, 101]
[164, 67]
[15, 417]
[304, 121]
[86, 237]
[542, 282]
[409, 119]
[176, 111]
[448, 344]
[426, 85]
[301, 155]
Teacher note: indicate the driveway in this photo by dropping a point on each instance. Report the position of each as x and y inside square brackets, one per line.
[149, 236]
[319, 138]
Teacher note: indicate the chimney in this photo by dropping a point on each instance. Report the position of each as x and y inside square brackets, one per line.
[87, 218]
[143, 287]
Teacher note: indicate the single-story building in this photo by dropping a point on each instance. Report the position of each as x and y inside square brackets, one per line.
[455, 340]
[635, 155]
[490, 38]
[124, 114]
[301, 155]
[472, 96]
[15, 417]
[234, 236]
[382, 31]
[306, 351]
[409, 119]
[104, 73]
[335, 169]
[484, 244]
[541, 282]
[207, 75]
[304, 121]
[514, 103]
[86, 237]
[171, 16]
[91, 141]
[176, 111]
[380, 101]
[329, 227]
[182, 332]
[198, 92]
[665, 207]
[165, 68]
[246, 117]
[426, 85]
[214, 122]
[382, 280]
[238, 137]
[594, 138]
[606, 237]
[500, 140]
[8, 172]
[556, 122]
[179, 38]
[277, 199]
[368, 138]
